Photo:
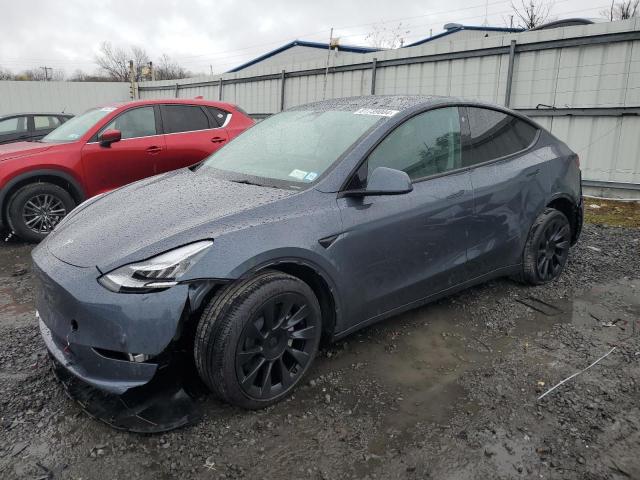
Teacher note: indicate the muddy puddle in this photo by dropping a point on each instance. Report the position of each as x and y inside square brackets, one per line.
[16, 298]
[419, 356]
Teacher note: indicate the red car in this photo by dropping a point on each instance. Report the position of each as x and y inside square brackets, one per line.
[105, 148]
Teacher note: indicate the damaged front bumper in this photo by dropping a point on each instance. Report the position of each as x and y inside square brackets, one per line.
[108, 374]
[100, 336]
[115, 353]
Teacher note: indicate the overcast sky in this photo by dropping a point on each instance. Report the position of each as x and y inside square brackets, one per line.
[223, 33]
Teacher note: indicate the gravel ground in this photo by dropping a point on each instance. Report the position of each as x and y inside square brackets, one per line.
[446, 391]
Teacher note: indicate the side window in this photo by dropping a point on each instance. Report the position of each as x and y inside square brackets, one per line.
[183, 118]
[424, 145]
[137, 122]
[219, 115]
[494, 134]
[42, 122]
[13, 125]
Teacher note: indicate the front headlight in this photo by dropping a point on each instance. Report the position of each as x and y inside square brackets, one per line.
[157, 273]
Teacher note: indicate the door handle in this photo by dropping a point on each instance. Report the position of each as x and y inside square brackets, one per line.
[218, 140]
[456, 195]
[154, 149]
[533, 173]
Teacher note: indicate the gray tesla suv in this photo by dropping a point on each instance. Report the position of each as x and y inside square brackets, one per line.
[314, 223]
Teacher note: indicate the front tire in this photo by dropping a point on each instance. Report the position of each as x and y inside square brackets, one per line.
[35, 209]
[257, 338]
[547, 248]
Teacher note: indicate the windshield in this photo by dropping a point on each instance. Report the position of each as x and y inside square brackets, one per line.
[292, 147]
[73, 129]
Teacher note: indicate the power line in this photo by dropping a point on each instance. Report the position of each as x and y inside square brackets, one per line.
[318, 32]
[226, 60]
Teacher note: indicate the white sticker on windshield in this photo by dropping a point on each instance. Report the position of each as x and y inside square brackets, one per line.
[299, 174]
[107, 109]
[376, 111]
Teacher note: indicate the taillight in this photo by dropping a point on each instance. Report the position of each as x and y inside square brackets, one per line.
[578, 160]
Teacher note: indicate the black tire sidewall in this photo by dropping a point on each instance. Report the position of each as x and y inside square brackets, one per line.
[22, 196]
[530, 269]
[216, 354]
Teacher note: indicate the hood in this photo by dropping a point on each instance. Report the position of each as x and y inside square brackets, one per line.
[182, 205]
[20, 149]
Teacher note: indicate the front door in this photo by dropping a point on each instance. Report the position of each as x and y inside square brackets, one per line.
[403, 248]
[138, 155]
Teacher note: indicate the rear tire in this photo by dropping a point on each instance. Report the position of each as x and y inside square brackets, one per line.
[35, 209]
[547, 248]
[257, 338]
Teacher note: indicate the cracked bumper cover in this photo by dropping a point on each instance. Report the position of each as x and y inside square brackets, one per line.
[110, 375]
[79, 319]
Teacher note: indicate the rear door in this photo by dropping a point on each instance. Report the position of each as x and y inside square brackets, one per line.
[44, 124]
[191, 134]
[506, 185]
[403, 248]
[14, 129]
[139, 154]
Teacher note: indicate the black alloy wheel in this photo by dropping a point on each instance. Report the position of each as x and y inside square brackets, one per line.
[257, 338]
[276, 346]
[553, 249]
[547, 248]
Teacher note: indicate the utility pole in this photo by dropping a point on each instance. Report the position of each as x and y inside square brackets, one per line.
[511, 21]
[152, 72]
[132, 81]
[326, 71]
[46, 72]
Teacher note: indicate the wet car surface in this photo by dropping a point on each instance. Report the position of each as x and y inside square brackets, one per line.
[281, 239]
[448, 391]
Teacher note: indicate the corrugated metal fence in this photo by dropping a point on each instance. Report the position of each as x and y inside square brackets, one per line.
[70, 97]
[582, 83]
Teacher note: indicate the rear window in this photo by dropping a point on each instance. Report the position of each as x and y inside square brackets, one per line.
[220, 116]
[183, 118]
[494, 134]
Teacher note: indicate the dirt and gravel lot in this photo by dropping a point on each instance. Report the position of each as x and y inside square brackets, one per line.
[448, 391]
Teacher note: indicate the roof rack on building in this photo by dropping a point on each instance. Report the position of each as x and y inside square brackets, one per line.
[304, 43]
[567, 22]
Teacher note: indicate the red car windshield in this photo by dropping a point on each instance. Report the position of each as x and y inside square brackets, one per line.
[75, 128]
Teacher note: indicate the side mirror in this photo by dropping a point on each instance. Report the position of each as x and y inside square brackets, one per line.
[384, 181]
[110, 136]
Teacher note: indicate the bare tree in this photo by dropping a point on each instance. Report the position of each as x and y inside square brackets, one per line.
[80, 76]
[167, 69]
[114, 61]
[5, 74]
[40, 75]
[387, 37]
[622, 10]
[532, 13]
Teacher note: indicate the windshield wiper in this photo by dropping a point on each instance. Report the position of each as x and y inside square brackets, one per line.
[247, 182]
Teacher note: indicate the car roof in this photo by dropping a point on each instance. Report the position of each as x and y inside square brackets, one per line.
[178, 101]
[55, 114]
[389, 102]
